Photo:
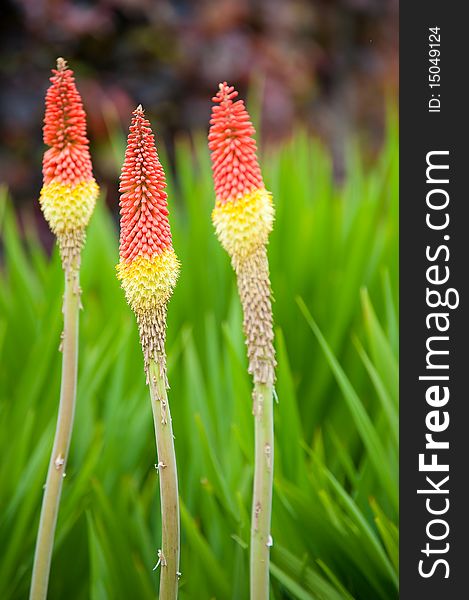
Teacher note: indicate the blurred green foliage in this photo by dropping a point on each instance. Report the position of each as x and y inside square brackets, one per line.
[333, 256]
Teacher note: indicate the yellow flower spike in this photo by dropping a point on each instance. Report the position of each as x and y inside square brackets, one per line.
[148, 282]
[243, 225]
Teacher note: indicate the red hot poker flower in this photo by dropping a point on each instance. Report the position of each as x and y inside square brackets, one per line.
[243, 218]
[148, 271]
[69, 193]
[148, 267]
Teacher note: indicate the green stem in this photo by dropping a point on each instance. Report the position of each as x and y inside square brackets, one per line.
[63, 433]
[169, 554]
[261, 540]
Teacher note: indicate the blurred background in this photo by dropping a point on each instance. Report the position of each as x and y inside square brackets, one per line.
[328, 65]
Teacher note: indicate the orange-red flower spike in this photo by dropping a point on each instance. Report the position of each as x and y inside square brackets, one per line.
[144, 209]
[235, 167]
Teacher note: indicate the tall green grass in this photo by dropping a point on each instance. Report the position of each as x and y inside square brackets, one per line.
[333, 257]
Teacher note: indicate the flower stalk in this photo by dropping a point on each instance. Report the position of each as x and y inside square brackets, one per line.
[261, 540]
[148, 271]
[243, 217]
[169, 555]
[67, 200]
[63, 434]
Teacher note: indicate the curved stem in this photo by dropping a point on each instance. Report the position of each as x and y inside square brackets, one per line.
[169, 553]
[63, 433]
[261, 540]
